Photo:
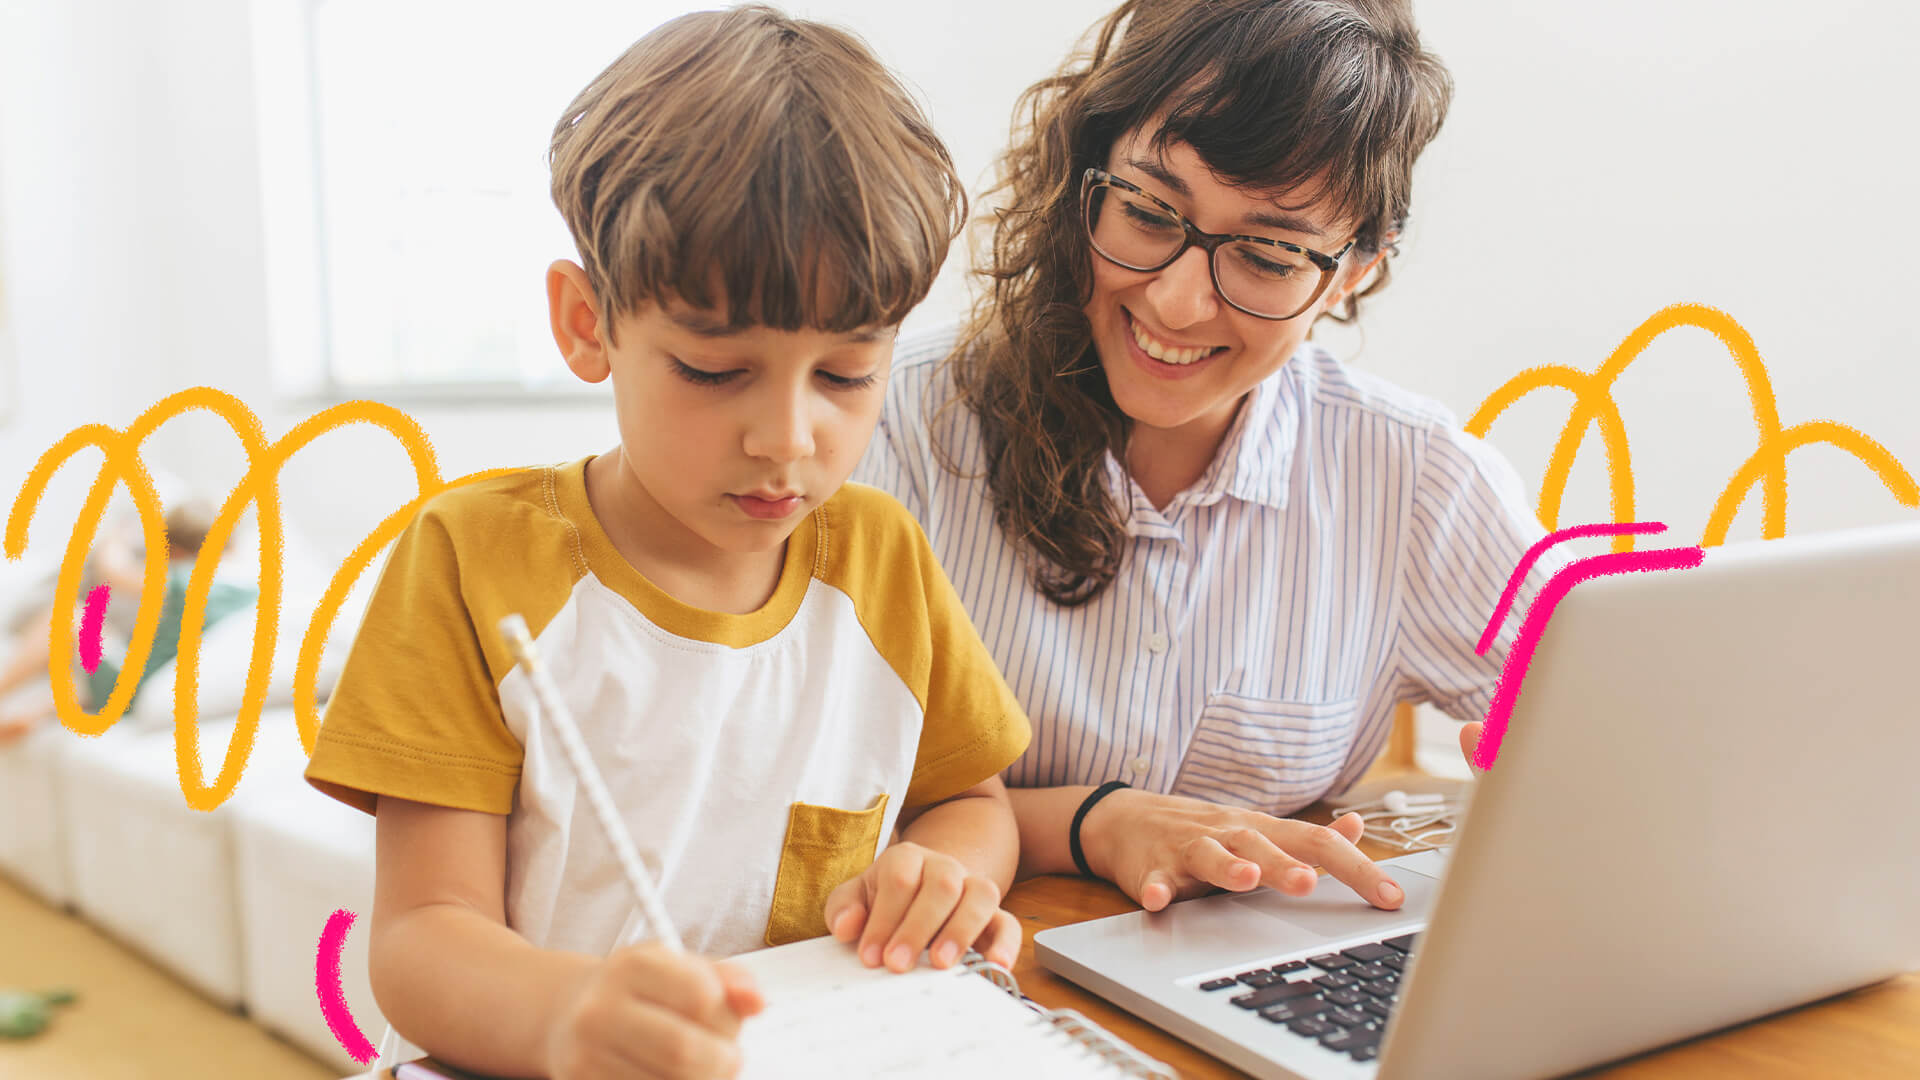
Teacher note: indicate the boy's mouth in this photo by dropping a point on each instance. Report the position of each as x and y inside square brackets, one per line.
[768, 506]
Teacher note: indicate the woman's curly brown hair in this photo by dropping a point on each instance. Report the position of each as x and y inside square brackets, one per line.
[1271, 94]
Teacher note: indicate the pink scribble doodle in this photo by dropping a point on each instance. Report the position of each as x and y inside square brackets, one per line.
[1533, 555]
[1515, 671]
[91, 620]
[333, 1000]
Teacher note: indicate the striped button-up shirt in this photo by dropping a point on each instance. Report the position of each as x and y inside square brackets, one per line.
[1342, 553]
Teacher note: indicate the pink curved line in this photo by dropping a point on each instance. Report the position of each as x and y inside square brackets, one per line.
[333, 1000]
[91, 620]
[1533, 555]
[1515, 672]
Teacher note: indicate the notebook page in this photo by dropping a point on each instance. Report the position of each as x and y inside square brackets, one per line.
[828, 1015]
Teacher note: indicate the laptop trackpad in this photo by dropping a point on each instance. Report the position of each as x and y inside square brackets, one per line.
[1233, 929]
[1333, 910]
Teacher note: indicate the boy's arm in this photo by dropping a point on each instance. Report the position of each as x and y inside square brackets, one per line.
[451, 975]
[447, 971]
[939, 889]
[976, 827]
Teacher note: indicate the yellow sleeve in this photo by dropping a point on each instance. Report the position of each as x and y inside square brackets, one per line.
[973, 727]
[416, 712]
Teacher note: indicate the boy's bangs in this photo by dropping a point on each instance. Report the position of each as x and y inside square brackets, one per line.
[757, 167]
[760, 269]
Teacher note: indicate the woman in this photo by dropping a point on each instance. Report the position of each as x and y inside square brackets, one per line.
[1208, 558]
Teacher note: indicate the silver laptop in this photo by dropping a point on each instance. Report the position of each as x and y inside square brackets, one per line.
[1704, 810]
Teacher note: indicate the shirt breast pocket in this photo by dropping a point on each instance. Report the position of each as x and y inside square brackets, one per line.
[824, 847]
[1275, 756]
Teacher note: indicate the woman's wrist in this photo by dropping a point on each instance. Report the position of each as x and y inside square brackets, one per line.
[1044, 816]
[1099, 828]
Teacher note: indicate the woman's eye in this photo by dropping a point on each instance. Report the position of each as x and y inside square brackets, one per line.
[1148, 220]
[1265, 267]
[844, 382]
[700, 376]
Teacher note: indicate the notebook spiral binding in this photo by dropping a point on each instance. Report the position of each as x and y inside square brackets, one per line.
[998, 975]
[1090, 1036]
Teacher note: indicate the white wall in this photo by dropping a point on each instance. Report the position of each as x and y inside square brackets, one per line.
[1601, 161]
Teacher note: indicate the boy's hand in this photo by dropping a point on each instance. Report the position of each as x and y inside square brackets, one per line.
[913, 898]
[646, 1011]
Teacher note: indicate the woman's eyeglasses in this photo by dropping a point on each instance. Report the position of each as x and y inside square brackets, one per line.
[1268, 279]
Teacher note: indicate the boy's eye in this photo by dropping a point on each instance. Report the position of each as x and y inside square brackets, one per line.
[700, 376]
[844, 382]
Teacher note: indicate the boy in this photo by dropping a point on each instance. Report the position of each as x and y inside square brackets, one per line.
[770, 671]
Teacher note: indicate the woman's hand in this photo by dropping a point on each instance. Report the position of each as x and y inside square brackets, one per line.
[913, 898]
[1469, 739]
[1162, 848]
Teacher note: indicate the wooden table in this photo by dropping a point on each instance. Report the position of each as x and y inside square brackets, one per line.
[1869, 1033]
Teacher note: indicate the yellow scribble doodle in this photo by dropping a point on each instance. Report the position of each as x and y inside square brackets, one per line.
[260, 487]
[1767, 466]
[122, 466]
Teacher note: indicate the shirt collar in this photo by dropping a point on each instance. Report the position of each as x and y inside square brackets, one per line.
[1254, 463]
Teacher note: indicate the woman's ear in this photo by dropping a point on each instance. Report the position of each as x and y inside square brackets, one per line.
[1351, 279]
[575, 316]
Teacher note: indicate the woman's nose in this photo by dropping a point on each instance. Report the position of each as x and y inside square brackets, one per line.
[1182, 292]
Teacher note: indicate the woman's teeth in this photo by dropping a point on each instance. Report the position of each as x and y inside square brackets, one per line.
[1164, 353]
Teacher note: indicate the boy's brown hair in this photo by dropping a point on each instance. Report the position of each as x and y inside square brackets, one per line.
[757, 165]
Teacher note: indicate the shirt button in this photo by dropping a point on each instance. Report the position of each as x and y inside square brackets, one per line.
[1157, 642]
[1140, 765]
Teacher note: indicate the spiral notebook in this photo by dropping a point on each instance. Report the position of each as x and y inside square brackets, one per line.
[829, 1016]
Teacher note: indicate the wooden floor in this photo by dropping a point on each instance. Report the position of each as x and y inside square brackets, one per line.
[133, 1020]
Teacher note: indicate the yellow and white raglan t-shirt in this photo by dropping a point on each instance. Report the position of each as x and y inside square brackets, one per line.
[758, 760]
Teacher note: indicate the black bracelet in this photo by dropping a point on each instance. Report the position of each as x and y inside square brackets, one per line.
[1073, 831]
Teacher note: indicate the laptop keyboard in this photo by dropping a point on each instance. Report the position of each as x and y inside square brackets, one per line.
[1342, 1000]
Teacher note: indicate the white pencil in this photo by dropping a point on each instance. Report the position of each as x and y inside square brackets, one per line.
[520, 643]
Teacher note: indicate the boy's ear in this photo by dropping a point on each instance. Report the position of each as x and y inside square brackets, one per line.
[576, 321]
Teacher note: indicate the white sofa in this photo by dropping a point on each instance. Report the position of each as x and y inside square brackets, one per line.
[233, 901]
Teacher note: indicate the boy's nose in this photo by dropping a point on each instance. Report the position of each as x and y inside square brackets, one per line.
[782, 432]
[1182, 293]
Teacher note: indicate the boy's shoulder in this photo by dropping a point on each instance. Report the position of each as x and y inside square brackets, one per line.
[490, 490]
[502, 518]
[861, 513]
[867, 532]
[494, 499]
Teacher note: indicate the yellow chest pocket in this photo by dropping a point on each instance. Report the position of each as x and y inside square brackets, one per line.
[825, 846]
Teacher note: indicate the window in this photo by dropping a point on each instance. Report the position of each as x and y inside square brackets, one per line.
[405, 177]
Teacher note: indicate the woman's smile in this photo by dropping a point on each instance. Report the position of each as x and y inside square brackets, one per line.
[1162, 358]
